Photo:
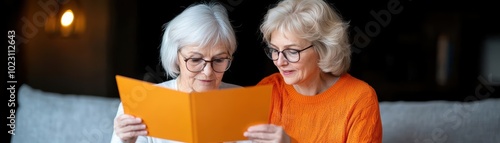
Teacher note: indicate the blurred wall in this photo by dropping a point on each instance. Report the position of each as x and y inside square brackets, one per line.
[491, 56]
[79, 64]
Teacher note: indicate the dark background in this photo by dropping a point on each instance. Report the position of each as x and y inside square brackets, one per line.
[399, 61]
[398, 57]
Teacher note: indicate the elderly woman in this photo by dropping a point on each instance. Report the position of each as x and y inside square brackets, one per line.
[197, 49]
[314, 99]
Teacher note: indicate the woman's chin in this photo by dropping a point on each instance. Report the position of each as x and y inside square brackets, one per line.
[290, 80]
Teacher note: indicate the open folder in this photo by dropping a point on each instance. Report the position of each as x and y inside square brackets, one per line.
[197, 117]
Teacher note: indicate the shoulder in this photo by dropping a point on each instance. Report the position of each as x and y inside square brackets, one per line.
[274, 78]
[360, 91]
[172, 84]
[356, 84]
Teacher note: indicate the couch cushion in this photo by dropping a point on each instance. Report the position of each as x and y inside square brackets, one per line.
[56, 118]
[441, 121]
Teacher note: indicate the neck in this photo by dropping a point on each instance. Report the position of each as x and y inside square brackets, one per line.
[316, 84]
[183, 86]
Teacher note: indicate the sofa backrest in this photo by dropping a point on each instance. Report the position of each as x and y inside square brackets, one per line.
[441, 121]
[46, 117]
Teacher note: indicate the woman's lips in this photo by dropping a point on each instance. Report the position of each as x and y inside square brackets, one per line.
[287, 72]
[205, 80]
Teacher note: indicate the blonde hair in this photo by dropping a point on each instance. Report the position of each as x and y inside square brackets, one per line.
[317, 22]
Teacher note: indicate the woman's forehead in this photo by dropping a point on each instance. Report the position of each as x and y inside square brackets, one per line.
[216, 50]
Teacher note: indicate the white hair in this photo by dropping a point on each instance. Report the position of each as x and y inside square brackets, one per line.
[204, 25]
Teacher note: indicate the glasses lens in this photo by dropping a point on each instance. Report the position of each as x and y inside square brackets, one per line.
[195, 64]
[271, 53]
[291, 55]
[221, 65]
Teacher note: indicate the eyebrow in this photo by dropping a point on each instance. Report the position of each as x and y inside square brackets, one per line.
[287, 46]
[197, 53]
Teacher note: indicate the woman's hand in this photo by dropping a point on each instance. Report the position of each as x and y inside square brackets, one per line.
[267, 133]
[128, 128]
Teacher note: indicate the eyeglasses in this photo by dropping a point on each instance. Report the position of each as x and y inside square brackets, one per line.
[219, 65]
[291, 55]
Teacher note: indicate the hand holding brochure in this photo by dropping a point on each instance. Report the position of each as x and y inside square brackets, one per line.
[211, 116]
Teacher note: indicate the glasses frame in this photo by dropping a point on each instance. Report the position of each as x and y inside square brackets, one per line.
[270, 56]
[205, 64]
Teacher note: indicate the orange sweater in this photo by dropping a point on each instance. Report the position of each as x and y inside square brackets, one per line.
[346, 112]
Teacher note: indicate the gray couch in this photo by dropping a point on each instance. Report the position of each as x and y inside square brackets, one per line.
[441, 121]
[45, 117]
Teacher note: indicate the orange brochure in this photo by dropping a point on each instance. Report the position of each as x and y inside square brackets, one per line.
[197, 117]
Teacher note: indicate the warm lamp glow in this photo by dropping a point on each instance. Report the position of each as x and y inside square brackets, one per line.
[67, 18]
[67, 21]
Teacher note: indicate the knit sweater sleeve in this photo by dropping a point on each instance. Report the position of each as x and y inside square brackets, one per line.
[366, 125]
